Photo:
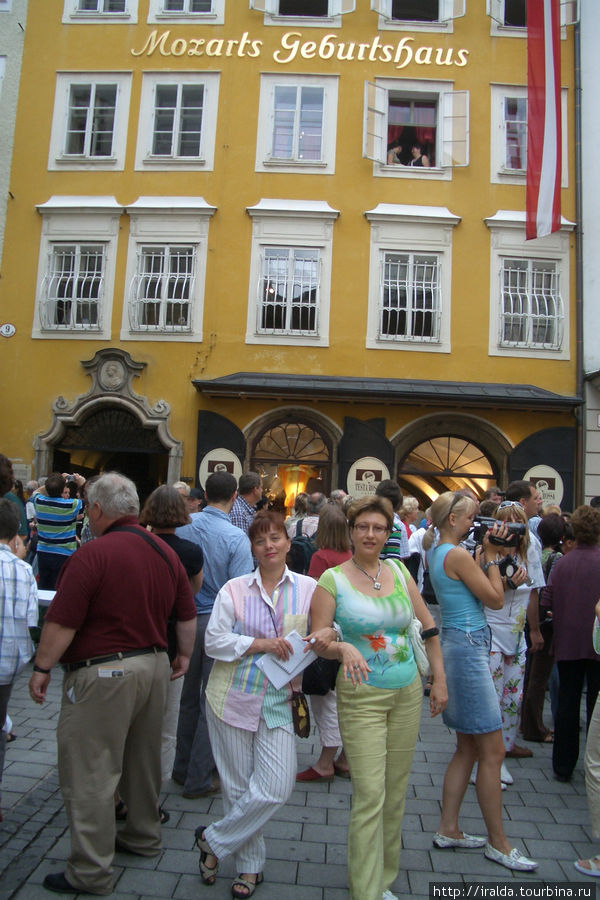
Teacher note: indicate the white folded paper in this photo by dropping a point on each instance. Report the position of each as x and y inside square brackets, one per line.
[280, 671]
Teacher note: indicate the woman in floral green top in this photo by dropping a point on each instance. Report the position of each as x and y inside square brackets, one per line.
[378, 689]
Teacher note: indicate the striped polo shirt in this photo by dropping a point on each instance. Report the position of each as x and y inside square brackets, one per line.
[56, 518]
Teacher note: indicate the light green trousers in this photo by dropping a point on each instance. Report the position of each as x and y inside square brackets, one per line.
[379, 731]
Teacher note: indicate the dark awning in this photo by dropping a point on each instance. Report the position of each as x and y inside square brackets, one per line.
[383, 390]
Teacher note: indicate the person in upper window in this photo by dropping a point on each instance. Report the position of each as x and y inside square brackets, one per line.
[394, 152]
[418, 157]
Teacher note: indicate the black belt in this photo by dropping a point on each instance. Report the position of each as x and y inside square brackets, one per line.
[98, 660]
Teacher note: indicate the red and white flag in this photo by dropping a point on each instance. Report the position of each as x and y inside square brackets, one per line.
[543, 118]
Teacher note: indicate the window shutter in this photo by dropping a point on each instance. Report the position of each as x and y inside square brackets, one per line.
[455, 128]
[383, 7]
[375, 117]
[451, 9]
[495, 9]
[569, 12]
[339, 7]
[266, 6]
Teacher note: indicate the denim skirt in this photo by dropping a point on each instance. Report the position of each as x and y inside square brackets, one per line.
[473, 706]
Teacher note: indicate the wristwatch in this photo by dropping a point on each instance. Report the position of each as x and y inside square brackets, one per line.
[492, 562]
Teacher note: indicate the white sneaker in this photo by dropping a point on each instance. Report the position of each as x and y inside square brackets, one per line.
[505, 776]
[387, 895]
[513, 860]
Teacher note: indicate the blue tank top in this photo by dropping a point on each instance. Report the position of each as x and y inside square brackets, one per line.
[460, 607]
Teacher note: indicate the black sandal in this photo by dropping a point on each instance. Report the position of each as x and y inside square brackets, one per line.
[207, 873]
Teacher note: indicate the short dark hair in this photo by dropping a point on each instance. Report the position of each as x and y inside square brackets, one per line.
[248, 481]
[595, 502]
[55, 484]
[9, 520]
[264, 521]
[551, 529]
[220, 487]
[391, 490]
[165, 508]
[517, 490]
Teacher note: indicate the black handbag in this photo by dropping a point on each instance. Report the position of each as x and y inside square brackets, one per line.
[319, 678]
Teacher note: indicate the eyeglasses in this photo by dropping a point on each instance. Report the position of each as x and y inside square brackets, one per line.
[506, 503]
[363, 528]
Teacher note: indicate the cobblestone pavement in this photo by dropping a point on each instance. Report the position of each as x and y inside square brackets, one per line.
[306, 841]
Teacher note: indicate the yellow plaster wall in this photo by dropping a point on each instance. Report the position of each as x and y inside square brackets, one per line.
[37, 371]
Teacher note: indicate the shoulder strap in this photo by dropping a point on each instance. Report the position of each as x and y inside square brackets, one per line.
[299, 528]
[401, 577]
[153, 543]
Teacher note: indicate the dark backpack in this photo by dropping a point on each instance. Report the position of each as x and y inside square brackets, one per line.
[302, 548]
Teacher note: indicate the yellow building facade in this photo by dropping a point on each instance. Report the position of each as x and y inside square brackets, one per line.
[286, 236]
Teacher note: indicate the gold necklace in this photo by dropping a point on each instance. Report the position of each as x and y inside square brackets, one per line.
[376, 582]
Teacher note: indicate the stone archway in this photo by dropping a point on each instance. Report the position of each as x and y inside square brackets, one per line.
[444, 451]
[294, 448]
[110, 418]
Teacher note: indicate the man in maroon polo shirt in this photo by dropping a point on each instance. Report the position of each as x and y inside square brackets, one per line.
[108, 627]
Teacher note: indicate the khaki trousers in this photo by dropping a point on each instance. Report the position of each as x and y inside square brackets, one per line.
[109, 736]
[379, 730]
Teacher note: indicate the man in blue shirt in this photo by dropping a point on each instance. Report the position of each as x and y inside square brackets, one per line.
[227, 554]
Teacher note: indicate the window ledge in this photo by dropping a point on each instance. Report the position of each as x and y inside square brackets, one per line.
[303, 21]
[86, 161]
[419, 345]
[288, 340]
[174, 161]
[296, 163]
[184, 16]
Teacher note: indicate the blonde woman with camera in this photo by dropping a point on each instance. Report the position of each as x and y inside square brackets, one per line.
[521, 582]
[464, 586]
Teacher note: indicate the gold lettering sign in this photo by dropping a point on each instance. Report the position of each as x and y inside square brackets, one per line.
[292, 47]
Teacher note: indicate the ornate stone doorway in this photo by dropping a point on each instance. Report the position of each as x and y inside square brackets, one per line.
[111, 427]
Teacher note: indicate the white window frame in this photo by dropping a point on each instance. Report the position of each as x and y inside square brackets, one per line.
[172, 222]
[73, 15]
[292, 224]
[337, 8]
[78, 221]
[265, 162]
[421, 231]
[158, 15]
[144, 159]
[57, 158]
[569, 15]
[448, 10]
[452, 122]
[499, 174]
[507, 241]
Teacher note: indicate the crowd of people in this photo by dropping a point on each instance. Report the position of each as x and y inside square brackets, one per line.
[184, 628]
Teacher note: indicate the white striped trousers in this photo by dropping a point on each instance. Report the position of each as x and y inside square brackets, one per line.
[258, 774]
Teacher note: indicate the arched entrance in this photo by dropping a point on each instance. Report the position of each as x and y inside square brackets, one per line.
[113, 438]
[111, 427]
[293, 453]
[447, 453]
